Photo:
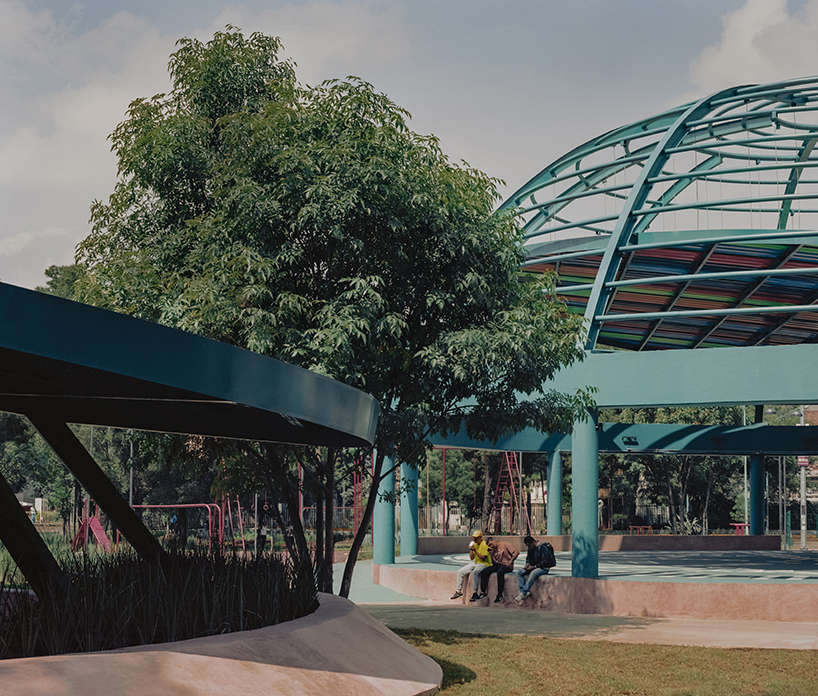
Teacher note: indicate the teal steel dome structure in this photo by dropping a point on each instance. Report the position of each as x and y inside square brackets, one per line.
[694, 228]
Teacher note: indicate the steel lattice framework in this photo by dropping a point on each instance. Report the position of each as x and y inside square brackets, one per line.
[695, 228]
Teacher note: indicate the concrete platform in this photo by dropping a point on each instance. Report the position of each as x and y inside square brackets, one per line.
[773, 586]
[442, 545]
[339, 649]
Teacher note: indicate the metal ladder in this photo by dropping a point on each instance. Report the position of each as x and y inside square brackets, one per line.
[507, 480]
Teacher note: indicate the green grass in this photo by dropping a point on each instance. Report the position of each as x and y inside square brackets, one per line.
[364, 554]
[517, 665]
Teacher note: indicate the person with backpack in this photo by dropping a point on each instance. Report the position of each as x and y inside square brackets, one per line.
[538, 561]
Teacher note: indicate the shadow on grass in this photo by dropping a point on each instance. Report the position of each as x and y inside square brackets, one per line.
[471, 620]
[453, 672]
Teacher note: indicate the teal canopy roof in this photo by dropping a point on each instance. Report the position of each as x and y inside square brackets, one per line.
[88, 365]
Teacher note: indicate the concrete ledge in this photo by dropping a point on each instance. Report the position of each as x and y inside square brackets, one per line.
[695, 600]
[616, 542]
[339, 649]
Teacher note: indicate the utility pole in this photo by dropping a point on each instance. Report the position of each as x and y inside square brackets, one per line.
[130, 474]
[255, 542]
[803, 462]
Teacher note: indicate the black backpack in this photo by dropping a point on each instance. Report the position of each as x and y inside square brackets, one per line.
[551, 559]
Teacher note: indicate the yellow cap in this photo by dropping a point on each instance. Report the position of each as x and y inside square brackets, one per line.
[477, 534]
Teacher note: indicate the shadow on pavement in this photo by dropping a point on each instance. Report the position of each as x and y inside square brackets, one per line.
[495, 620]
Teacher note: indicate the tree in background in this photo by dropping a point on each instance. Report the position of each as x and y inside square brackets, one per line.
[312, 225]
[688, 484]
[62, 281]
[464, 480]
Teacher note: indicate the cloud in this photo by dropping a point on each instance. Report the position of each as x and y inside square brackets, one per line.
[25, 256]
[17, 242]
[25, 34]
[62, 91]
[65, 84]
[763, 41]
[329, 39]
[58, 136]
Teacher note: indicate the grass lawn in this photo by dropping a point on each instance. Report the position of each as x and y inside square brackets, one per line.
[517, 665]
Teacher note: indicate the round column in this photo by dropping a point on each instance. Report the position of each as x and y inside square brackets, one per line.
[409, 510]
[383, 518]
[757, 493]
[553, 507]
[584, 497]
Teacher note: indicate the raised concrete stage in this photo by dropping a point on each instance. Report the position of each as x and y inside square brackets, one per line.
[745, 585]
[616, 542]
[337, 650]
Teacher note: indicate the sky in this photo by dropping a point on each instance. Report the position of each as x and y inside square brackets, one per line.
[506, 85]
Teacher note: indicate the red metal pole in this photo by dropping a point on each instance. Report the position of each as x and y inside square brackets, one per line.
[241, 524]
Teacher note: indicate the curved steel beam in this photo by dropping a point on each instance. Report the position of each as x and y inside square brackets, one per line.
[627, 219]
[795, 175]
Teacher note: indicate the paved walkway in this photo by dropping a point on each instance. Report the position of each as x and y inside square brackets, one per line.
[401, 611]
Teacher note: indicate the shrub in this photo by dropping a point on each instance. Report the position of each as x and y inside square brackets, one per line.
[119, 600]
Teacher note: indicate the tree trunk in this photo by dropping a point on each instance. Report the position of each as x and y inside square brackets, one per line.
[357, 542]
[329, 536]
[320, 527]
[294, 535]
[705, 513]
[674, 518]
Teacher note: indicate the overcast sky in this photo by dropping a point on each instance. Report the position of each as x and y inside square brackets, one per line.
[507, 85]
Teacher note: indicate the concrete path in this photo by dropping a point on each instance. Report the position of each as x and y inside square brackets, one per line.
[401, 611]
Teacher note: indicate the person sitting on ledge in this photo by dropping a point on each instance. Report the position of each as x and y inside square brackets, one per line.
[503, 555]
[479, 558]
[538, 561]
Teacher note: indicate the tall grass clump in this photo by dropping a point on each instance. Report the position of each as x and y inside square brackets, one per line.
[119, 600]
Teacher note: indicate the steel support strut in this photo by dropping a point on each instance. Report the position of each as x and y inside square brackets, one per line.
[26, 546]
[74, 455]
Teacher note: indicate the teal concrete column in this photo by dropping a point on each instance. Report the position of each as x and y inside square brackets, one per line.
[409, 510]
[553, 507]
[383, 518]
[756, 512]
[584, 498]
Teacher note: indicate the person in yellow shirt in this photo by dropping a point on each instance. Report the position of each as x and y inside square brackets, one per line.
[479, 559]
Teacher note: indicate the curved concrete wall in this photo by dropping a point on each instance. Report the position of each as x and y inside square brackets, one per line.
[697, 600]
[337, 650]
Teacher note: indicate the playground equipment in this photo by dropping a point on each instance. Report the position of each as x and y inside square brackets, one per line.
[91, 525]
[510, 480]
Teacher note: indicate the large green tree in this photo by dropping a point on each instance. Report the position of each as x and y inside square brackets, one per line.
[688, 484]
[311, 224]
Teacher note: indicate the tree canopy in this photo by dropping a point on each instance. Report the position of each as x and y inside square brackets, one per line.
[688, 484]
[312, 225]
